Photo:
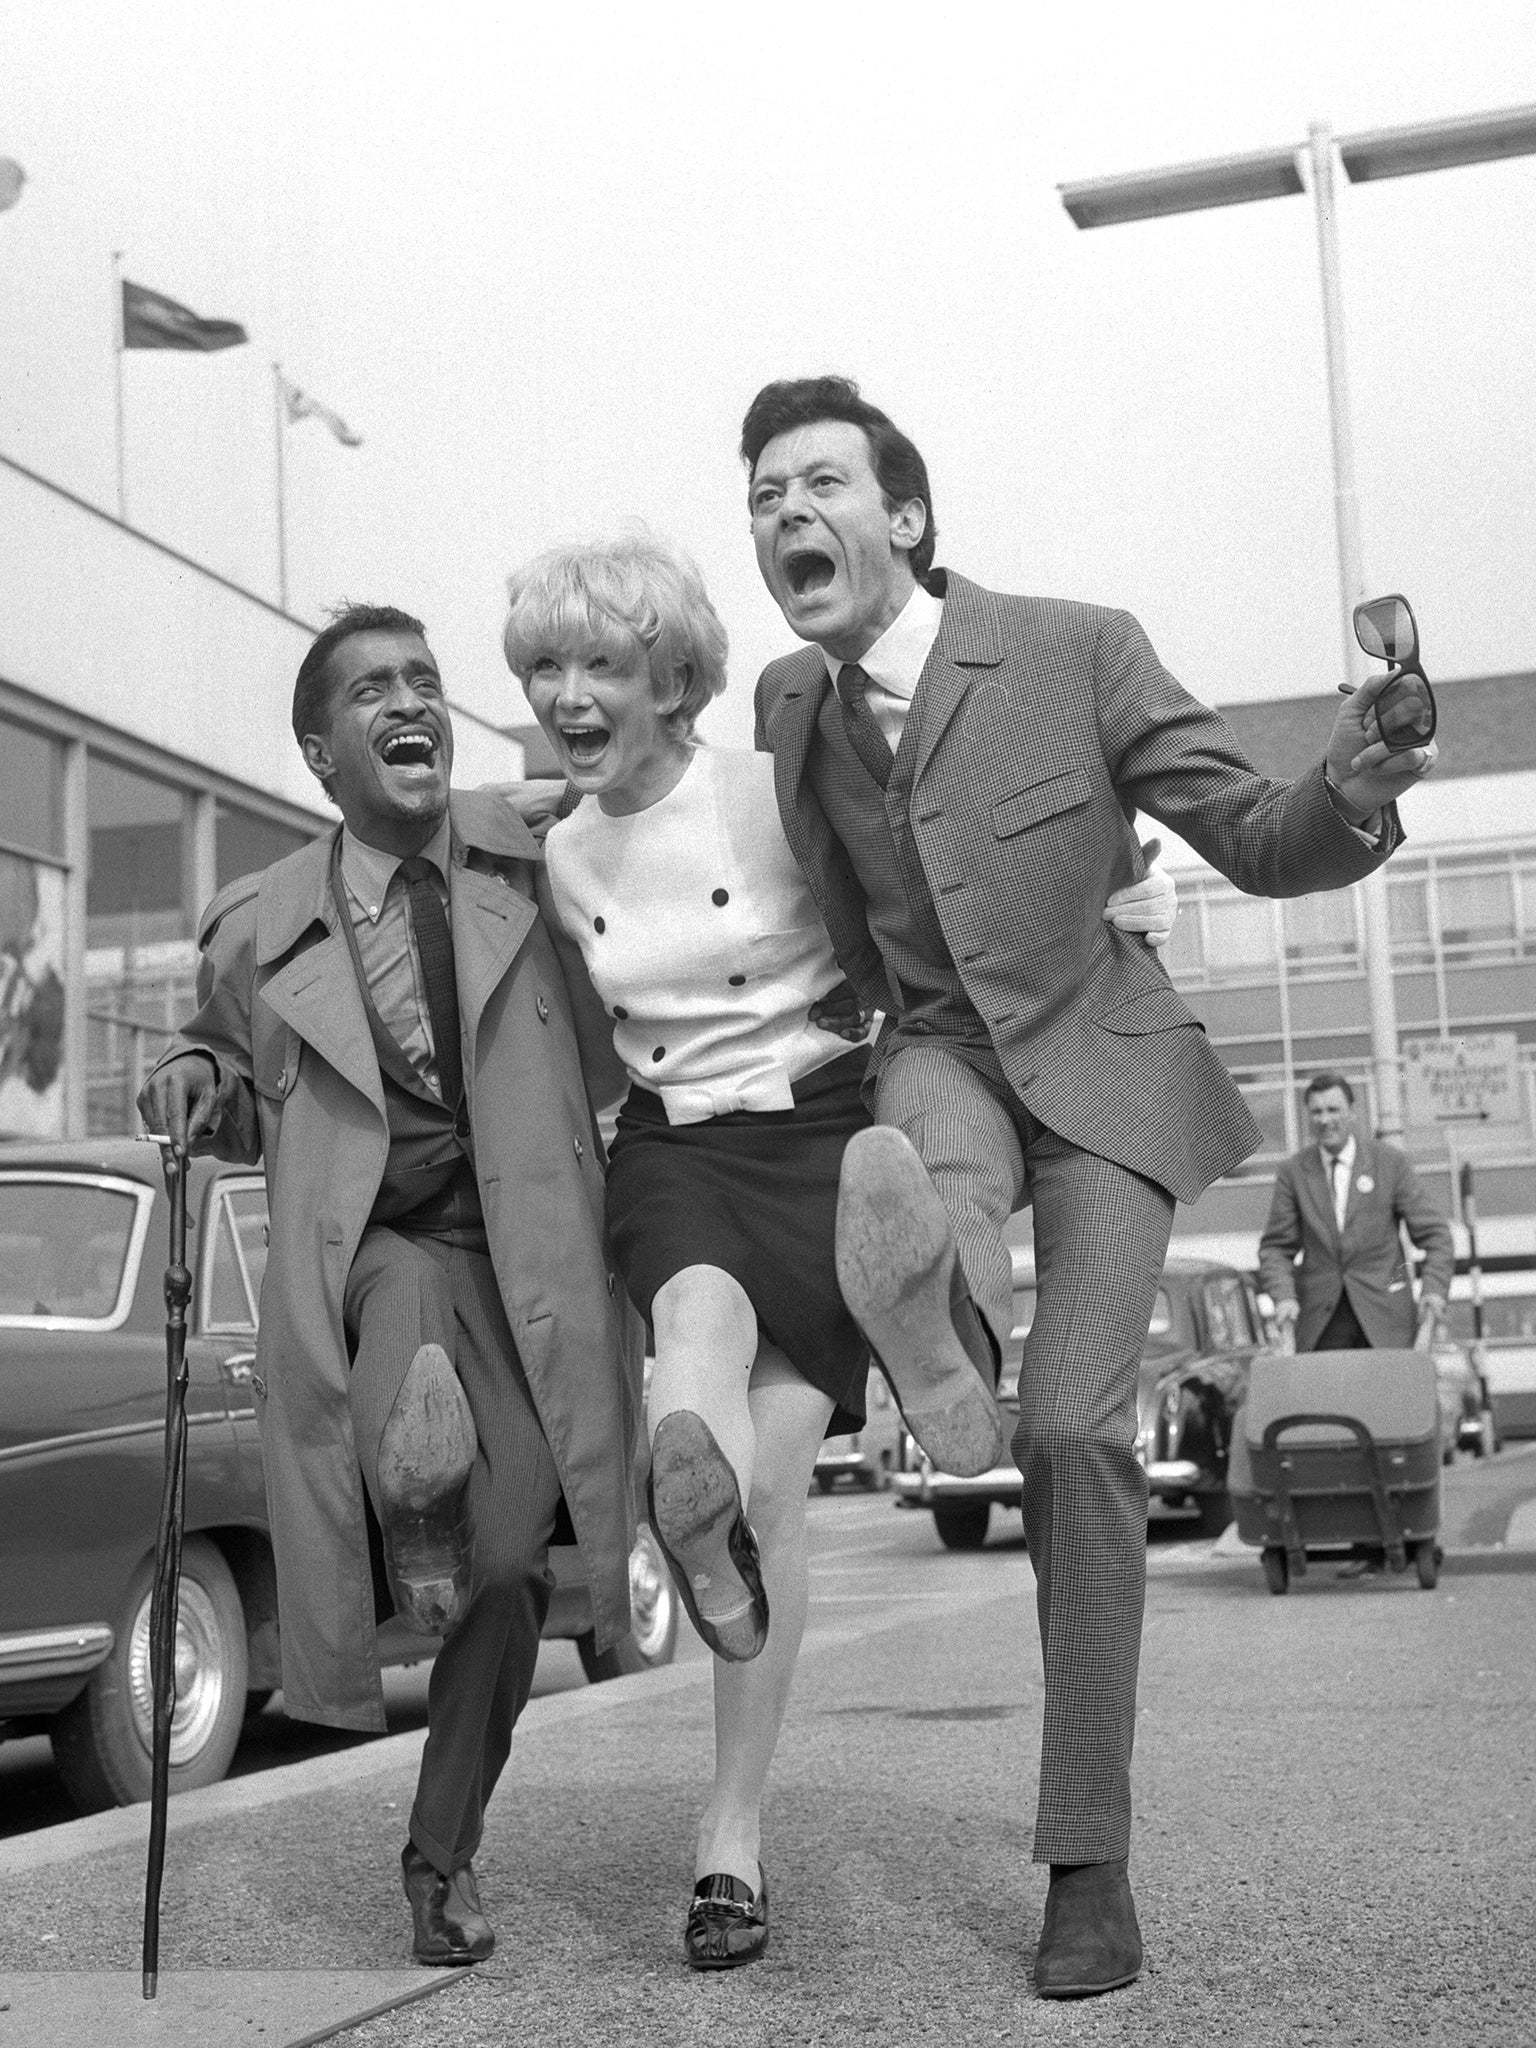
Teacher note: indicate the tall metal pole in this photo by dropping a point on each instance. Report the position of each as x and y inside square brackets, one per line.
[278, 429]
[1372, 893]
[117, 355]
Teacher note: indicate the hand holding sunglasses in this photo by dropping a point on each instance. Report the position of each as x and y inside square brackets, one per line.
[1383, 740]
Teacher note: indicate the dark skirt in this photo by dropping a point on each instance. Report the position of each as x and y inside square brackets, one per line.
[754, 1193]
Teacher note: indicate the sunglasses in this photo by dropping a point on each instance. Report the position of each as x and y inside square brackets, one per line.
[1405, 710]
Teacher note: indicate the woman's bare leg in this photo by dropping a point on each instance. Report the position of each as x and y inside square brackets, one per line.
[706, 1341]
[790, 1420]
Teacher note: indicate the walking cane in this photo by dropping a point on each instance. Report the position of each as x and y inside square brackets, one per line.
[167, 1583]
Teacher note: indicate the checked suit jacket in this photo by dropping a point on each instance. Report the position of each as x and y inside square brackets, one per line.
[1364, 1260]
[1043, 727]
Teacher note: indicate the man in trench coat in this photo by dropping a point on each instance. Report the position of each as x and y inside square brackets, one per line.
[957, 771]
[318, 1050]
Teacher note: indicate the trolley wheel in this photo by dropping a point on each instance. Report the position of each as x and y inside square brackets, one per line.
[1277, 1570]
[1426, 1562]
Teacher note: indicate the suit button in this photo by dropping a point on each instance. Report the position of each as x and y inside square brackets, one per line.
[543, 1009]
[579, 1152]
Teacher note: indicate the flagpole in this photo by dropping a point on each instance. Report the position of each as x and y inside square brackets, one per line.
[282, 523]
[117, 352]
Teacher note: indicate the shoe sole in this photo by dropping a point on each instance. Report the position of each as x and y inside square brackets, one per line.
[427, 1451]
[1087, 1990]
[895, 1261]
[697, 1502]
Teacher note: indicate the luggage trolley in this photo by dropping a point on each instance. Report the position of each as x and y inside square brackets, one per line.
[1338, 1452]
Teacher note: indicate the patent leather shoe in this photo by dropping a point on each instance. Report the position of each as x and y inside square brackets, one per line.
[1090, 1941]
[426, 1454]
[450, 1927]
[727, 1922]
[696, 1515]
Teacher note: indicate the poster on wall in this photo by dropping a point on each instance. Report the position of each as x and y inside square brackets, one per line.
[31, 999]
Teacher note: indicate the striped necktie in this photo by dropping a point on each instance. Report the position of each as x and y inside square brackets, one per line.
[434, 945]
[861, 725]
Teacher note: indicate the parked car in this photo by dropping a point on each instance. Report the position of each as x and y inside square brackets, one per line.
[869, 1456]
[1506, 1353]
[83, 1243]
[1202, 1336]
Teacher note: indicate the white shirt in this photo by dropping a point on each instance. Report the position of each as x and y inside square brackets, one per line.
[701, 938]
[895, 662]
[1340, 1167]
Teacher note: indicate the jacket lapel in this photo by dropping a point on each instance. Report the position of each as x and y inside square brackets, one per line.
[490, 917]
[1321, 1182]
[315, 992]
[968, 640]
[791, 730]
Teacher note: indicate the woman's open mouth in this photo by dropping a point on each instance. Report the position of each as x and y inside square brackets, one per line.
[585, 744]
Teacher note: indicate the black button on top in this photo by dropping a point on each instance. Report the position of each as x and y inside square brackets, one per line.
[659, 1054]
[620, 1012]
[720, 897]
[598, 925]
[738, 981]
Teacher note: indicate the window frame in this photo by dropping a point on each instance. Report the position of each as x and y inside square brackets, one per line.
[138, 1233]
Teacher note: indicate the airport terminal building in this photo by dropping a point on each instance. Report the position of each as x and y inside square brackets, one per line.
[146, 758]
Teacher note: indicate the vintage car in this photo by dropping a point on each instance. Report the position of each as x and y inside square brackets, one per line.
[868, 1456]
[83, 1247]
[1204, 1331]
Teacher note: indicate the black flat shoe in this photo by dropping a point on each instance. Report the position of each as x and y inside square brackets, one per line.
[727, 1923]
[446, 1917]
[698, 1492]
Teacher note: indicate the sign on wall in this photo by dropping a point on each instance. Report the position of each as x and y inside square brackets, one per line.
[1463, 1081]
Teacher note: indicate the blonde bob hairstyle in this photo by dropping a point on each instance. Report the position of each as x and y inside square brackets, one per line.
[614, 597]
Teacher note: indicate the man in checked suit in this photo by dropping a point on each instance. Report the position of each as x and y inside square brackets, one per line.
[1342, 1204]
[957, 772]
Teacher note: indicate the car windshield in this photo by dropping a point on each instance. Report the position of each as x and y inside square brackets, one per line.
[63, 1248]
[1512, 1316]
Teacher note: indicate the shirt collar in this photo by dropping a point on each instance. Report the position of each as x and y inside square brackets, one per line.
[369, 870]
[1345, 1156]
[896, 660]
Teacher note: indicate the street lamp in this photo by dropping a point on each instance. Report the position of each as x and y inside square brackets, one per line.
[1276, 174]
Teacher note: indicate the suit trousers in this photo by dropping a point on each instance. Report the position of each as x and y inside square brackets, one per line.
[404, 1292]
[1101, 1236]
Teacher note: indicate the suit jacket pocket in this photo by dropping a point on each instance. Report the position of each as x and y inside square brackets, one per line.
[1040, 800]
[1154, 1009]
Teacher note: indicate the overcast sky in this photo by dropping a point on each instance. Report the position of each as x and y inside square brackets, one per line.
[541, 258]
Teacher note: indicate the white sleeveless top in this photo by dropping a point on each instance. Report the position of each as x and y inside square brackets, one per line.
[701, 938]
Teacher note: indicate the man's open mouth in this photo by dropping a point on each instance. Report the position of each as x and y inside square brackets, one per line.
[414, 748]
[807, 571]
[585, 744]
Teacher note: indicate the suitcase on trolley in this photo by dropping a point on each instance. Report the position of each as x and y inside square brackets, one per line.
[1338, 1452]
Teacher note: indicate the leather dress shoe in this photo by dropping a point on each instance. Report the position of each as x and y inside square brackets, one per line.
[450, 1927]
[727, 1922]
[896, 1261]
[426, 1454]
[696, 1515]
[1090, 1941]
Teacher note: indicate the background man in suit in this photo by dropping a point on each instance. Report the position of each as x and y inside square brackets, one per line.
[385, 1023]
[1342, 1204]
[956, 771]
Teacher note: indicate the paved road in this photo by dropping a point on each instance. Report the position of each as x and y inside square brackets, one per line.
[1336, 1794]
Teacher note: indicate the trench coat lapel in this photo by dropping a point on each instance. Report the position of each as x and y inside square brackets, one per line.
[967, 641]
[315, 992]
[1321, 1181]
[490, 918]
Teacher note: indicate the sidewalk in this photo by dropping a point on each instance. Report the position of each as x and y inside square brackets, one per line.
[1335, 1792]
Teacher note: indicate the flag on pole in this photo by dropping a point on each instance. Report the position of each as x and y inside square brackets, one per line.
[300, 406]
[150, 320]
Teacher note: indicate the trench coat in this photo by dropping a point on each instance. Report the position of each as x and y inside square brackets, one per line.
[1364, 1260]
[281, 1014]
[1044, 726]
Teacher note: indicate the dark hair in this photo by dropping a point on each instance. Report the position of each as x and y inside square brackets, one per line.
[1321, 1083]
[899, 470]
[311, 689]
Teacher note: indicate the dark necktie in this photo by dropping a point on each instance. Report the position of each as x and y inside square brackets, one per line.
[861, 725]
[434, 945]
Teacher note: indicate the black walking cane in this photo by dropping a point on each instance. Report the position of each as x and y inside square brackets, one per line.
[167, 1584]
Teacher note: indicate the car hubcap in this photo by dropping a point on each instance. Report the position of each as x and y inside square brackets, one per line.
[650, 1596]
[199, 1674]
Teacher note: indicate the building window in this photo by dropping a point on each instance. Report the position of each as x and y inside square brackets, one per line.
[31, 790]
[1320, 932]
[1408, 923]
[1239, 938]
[246, 842]
[136, 889]
[1477, 915]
